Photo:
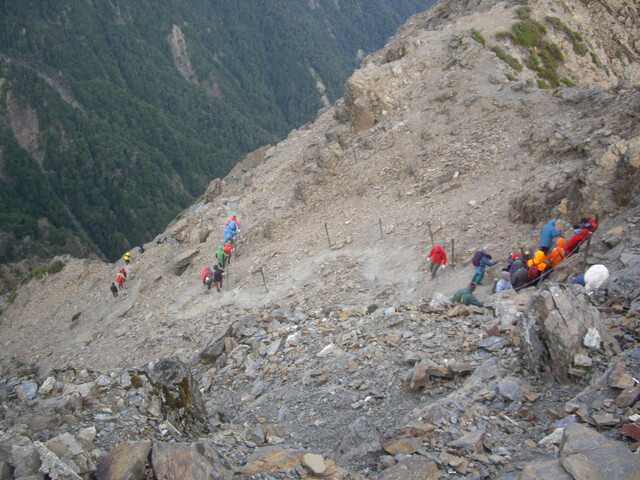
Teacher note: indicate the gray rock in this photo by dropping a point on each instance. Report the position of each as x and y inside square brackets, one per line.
[553, 327]
[182, 402]
[364, 442]
[167, 459]
[182, 261]
[509, 388]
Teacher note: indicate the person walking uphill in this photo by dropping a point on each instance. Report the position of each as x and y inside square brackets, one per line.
[222, 257]
[114, 289]
[547, 233]
[438, 257]
[120, 281]
[227, 248]
[206, 275]
[481, 260]
[465, 296]
[127, 258]
[217, 277]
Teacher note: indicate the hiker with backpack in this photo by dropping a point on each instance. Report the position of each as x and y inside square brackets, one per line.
[537, 265]
[127, 258]
[481, 260]
[217, 277]
[547, 233]
[206, 275]
[222, 257]
[123, 272]
[465, 296]
[519, 275]
[438, 257]
[120, 281]
[557, 254]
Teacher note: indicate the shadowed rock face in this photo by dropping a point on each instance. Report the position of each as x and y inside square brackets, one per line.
[182, 402]
[553, 330]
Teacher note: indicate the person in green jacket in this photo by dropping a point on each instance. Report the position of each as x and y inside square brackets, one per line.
[465, 296]
[222, 257]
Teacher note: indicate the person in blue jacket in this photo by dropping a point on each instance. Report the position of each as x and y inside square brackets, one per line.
[230, 232]
[547, 233]
[485, 261]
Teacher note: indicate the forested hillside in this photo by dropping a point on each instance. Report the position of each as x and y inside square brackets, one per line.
[115, 115]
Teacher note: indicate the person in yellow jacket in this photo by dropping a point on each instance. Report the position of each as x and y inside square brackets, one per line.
[539, 260]
[127, 258]
[537, 265]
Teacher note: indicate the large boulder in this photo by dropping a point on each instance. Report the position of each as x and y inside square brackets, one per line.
[554, 326]
[182, 261]
[182, 402]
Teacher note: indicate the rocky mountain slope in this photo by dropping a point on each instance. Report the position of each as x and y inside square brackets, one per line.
[329, 353]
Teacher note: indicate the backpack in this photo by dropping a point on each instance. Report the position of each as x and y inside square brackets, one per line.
[477, 257]
[533, 272]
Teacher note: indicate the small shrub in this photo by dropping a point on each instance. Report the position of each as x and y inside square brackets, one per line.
[618, 54]
[524, 13]
[556, 23]
[543, 84]
[12, 297]
[595, 59]
[40, 272]
[528, 33]
[580, 48]
[508, 59]
[511, 77]
[567, 82]
[477, 36]
[502, 35]
[555, 52]
[75, 316]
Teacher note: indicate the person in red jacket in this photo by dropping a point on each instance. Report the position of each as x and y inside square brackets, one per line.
[227, 248]
[438, 257]
[120, 281]
[579, 235]
[123, 272]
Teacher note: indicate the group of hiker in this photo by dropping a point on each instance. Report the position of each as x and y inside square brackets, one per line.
[223, 256]
[121, 276]
[523, 269]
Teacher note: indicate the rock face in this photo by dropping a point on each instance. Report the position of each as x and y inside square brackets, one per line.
[554, 328]
[328, 352]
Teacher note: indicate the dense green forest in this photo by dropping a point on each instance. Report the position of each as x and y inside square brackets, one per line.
[103, 139]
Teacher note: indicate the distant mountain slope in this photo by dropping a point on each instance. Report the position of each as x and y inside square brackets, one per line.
[114, 116]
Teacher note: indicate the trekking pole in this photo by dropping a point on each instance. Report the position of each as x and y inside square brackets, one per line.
[264, 282]
[380, 221]
[453, 252]
[326, 229]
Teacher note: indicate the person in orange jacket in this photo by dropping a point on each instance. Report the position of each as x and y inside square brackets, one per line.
[438, 257]
[557, 254]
